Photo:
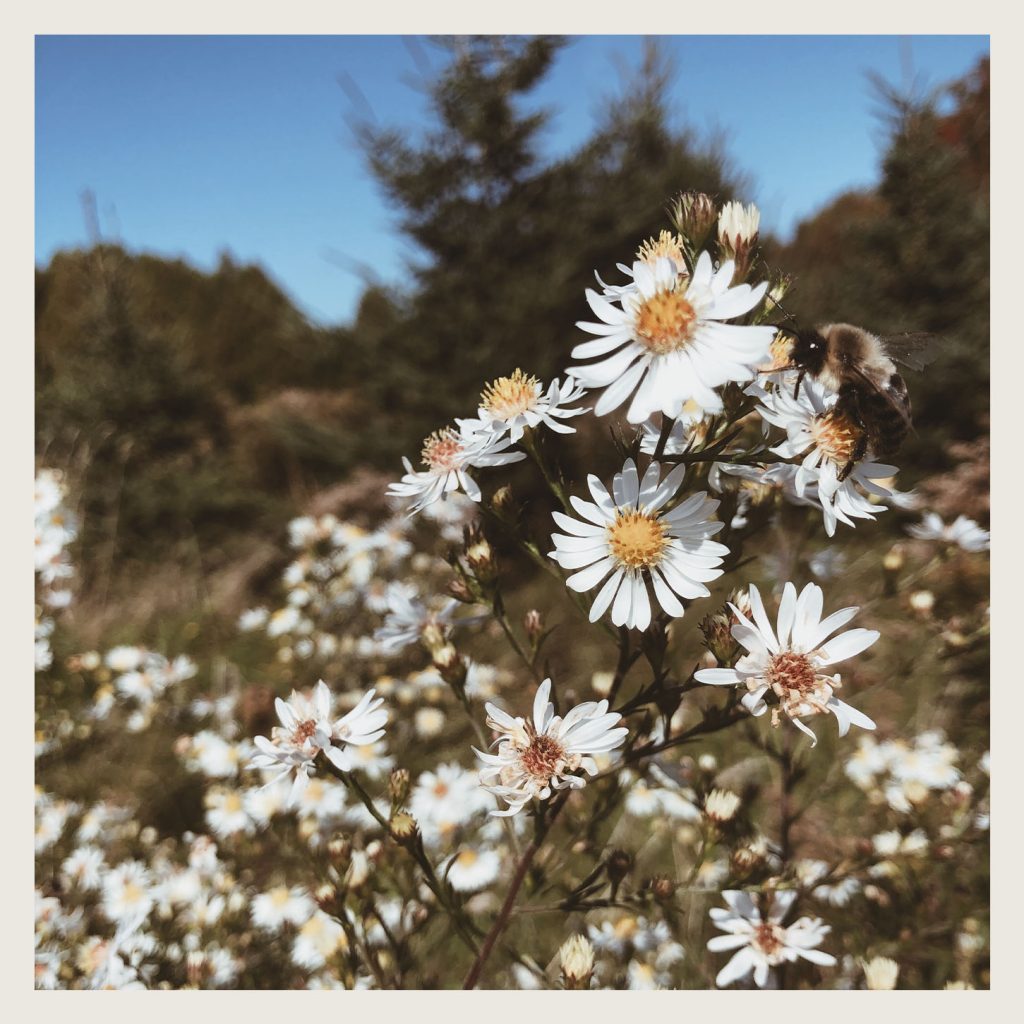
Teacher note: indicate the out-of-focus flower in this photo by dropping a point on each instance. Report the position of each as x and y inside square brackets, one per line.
[576, 958]
[721, 805]
[534, 757]
[409, 620]
[282, 905]
[763, 942]
[630, 537]
[963, 532]
[790, 663]
[664, 339]
[880, 974]
[449, 455]
[472, 870]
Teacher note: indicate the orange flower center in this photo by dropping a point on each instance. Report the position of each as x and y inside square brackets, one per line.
[637, 540]
[442, 449]
[543, 758]
[665, 322]
[790, 672]
[768, 938]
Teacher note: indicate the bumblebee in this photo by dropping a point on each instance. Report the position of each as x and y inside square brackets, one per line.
[861, 368]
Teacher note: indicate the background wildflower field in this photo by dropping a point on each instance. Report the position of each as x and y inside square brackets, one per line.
[215, 530]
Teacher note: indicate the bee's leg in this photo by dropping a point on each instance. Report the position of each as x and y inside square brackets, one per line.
[799, 381]
[858, 453]
[849, 404]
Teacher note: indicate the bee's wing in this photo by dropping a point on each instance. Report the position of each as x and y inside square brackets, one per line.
[896, 398]
[916, 349]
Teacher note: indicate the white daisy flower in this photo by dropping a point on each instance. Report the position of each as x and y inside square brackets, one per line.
[472, 870]
[319, 939]
[408, 617]
[127, 892]
[306, 729]
[964, 532]
[281, 905]
[83, 868]
[535, 757]
[684, 430]
[664, 339]
[666, 245]
[445, 799]
[631, 537]
[763, 942]
[448, 455]
[826, 440]
[511, 404]
[790, 663]
[225, 812]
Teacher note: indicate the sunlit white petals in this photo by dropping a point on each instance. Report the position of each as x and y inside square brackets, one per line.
[963, 532]
[449, 455]
[633, 537]
[545, 753]
[513, 404]
[761, 941]
[790, 662]
[662, 339]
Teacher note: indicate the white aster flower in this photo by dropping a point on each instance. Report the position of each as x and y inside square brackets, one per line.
[408, 617]
[281, 905]
[472, 870]
[826, 440]
[682, 434]
[791, 663]
[738, 225]
[83, 868]
[665, 340]
[448, 455]
[127, 892]
[445, 799]
[306, 729]
[511, 404]
[964, 532]
[666, 245]
[763, 942]
[319, 939]
[631, 537]
[225, 812]
[534, 757]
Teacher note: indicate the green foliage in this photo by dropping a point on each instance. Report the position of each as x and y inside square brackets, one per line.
[914, 256]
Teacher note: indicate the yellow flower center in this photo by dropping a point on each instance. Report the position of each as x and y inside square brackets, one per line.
[780, 351]
[665, 322]
[508, 397]
[637, 540]
[836, 436]
[666, 244]
[467, 858]
[442, 449]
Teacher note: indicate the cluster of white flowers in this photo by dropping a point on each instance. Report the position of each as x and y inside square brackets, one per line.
[904, 774]
[54, 531]
[963, 532]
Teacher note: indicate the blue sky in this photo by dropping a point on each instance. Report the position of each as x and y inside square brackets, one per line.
[196, 145]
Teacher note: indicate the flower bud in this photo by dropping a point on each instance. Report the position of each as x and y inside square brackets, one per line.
[880, 974]
[339, 850]
[721, 806]
[534, 625]
[459, 589]
[433, 636]
[618, 865]
[404, 828]
[694, 214]
[737, 236]
[503, 503]
[479, 554]
[398, 786]
[326, 897]
[450, 664]
[577, 961]
[716, 629]
[662, 888]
